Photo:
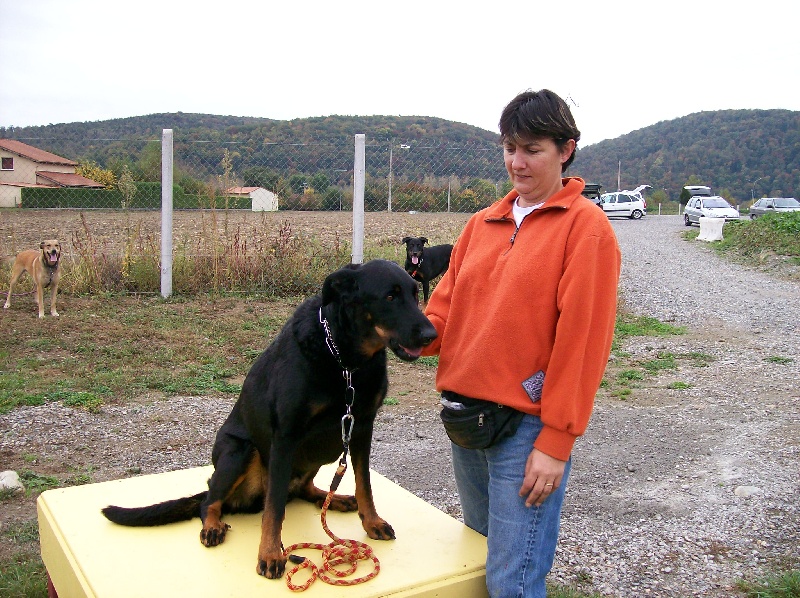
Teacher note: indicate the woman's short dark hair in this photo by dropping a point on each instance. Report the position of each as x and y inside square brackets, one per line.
[537, 114]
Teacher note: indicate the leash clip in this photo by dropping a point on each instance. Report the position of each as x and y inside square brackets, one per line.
[347, 427]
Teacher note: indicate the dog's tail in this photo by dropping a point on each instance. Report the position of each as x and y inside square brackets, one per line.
[170, 511]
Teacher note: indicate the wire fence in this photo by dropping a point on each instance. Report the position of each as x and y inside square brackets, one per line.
[426, 176]
[273, 219]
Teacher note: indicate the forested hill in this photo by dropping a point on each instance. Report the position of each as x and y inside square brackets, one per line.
[243, 129]
[736, 152]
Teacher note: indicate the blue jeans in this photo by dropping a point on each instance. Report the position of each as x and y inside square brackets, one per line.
[521, 540]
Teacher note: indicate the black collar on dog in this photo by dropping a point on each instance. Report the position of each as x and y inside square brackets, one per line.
[348, 421]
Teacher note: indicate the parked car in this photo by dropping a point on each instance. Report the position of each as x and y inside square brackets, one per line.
[623, 203]
[591, 191]
[708, 207]
[774, 205]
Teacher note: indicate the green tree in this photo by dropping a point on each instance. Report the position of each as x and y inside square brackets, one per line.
[320, 182]
[297, 183]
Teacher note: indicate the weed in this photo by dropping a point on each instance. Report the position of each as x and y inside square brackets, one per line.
[630, 375]
[779, 360]
[23, 576]
[35, 483]
[678, 385]
[664, 361]
[785, 585]
[22, 531]
[391, 401]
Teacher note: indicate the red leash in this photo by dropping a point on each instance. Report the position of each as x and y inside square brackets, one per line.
[339, 552]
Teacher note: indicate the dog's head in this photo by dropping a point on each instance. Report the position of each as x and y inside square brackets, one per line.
[376, 305]
[414, 248]
[51, 252]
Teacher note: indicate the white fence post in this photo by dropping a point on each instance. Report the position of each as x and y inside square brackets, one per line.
[166, 213]
[358, 201]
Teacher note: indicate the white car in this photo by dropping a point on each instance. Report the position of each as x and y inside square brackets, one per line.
[623, 203]
[708, 207]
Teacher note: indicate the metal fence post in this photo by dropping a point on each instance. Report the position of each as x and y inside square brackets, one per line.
[166, 213]
[358, 200]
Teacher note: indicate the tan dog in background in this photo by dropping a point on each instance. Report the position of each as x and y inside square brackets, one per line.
[42, 265]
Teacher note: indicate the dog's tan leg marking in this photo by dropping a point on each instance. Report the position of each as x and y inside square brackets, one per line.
[271, 562]
[214, 529]
[339, 502]
[375, 526]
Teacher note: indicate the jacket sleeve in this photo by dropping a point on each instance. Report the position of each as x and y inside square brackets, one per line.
[587, 302]
[438, 308]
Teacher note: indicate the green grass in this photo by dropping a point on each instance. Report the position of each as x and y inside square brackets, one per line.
[785, 585]
[109, 350]
[23, 576]
[779, 360]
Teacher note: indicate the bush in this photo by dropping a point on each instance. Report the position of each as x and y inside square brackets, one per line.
[147, 197]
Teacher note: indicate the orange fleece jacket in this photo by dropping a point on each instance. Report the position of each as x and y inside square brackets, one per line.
[541, 297]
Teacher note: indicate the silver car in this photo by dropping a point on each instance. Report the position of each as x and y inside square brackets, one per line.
[774, 205]
[708, 207]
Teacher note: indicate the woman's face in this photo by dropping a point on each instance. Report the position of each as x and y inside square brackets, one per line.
[534, 166]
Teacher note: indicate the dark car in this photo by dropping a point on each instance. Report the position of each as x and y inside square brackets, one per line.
[592, 191]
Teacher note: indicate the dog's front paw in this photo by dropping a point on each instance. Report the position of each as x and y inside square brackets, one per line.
[377, 528]
[214, 535]
[271, 568]
[54, 314]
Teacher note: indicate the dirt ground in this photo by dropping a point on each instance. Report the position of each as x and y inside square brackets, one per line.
[680, 487]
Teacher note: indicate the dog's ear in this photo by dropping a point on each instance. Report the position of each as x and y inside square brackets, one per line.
[424, 240]
[406, 240]
[341, 285]
[41, 245]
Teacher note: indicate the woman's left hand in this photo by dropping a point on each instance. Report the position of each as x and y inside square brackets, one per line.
[543, 475]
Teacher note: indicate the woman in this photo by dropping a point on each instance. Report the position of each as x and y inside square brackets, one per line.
[525, 316]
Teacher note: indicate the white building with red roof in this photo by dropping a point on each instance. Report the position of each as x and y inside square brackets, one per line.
[263, 199]
[22, 165]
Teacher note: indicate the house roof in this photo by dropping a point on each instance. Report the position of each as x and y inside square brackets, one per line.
[242, 190]
[33, 153]
[64, 179]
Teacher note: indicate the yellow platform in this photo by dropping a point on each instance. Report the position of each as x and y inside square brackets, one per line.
[86, 555]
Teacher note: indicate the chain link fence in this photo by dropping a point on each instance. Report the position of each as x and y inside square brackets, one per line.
[425, 176]
[272, 219]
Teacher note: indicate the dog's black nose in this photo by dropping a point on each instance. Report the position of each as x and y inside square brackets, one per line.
[428, 336]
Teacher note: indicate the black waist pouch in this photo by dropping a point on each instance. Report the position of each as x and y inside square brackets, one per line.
[479, 424]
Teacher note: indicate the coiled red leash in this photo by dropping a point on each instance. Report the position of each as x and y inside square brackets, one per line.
[339, 552]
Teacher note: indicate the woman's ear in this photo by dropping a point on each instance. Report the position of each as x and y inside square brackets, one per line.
[567, 149]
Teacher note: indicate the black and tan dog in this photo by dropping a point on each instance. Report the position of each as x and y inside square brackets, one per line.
[288, 419]
[426, 264]
[42, 265]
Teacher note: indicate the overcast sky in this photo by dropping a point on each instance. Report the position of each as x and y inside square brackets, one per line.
[622, 65]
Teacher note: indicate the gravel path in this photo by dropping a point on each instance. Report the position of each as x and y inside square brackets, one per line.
[674, 492]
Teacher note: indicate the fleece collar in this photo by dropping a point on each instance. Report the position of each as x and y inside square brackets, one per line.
[573, 186]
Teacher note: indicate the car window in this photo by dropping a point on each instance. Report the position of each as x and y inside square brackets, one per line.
[715, 202]
[787, 202]
[624, 199]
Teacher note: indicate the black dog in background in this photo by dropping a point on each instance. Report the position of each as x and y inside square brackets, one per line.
[426, 264]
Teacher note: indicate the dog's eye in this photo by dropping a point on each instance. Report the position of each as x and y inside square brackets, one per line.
[390, 296]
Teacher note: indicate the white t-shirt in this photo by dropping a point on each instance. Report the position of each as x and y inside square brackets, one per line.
[520, 212]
